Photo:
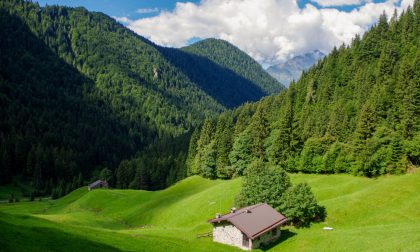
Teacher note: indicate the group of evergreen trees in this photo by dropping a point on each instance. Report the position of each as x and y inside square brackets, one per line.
[357, 111]
[80, 93]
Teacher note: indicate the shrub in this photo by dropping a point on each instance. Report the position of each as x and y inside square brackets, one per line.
[263, 183]
[300, 206]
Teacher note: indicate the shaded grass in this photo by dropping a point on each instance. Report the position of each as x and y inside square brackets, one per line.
[26, 233]
[6, 191]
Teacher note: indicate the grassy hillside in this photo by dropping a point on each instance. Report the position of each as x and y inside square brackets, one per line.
[366, 214]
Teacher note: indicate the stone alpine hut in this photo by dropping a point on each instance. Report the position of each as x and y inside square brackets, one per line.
[248, 227]
[98, 184]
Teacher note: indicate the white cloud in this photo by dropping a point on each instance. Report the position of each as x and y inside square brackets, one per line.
[325, 3]
[270, 31]
[148, 10]
[124, 20]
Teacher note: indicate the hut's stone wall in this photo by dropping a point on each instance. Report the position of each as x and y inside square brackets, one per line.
[228, 234]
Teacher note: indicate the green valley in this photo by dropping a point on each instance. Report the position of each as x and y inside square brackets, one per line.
[110, 142]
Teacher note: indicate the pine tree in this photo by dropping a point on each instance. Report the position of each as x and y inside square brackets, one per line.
[408, 92]
[192, 152]
[39, 167]
[416, 8]
[241, 155]
[125, 174]
[382, 27]
[258, 131]
[208, 164]
[367, 122]
[223, 140]
[286, 141]
[280, 149]
[245, 113]
[140, 180]
[206, 135]
[397, 157]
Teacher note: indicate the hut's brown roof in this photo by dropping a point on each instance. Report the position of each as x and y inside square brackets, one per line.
[253, 220]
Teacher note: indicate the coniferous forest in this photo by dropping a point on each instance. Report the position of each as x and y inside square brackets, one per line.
[357, 111]
[82, 97]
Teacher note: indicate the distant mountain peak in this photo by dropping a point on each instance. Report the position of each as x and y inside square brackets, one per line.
[292, 69]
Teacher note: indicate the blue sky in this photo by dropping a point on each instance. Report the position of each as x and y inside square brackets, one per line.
[129, 8]
[120, 8]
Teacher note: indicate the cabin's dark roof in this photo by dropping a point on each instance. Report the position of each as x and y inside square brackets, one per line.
[253, 220]
[96, 183]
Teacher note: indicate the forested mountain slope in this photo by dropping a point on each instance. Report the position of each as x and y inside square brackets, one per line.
[228, 56]
[52, 120]
[356, 111]
[80, 93]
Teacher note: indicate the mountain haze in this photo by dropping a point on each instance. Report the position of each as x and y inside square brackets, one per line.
[292, 69]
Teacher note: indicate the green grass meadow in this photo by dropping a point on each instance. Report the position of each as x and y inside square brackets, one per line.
[380, 214]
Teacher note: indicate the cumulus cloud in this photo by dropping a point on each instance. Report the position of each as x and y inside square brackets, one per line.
[124, 20]
[270, 31]
[148, 10]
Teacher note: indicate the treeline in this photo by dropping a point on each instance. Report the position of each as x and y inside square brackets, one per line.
[357, 111]
[156, 167]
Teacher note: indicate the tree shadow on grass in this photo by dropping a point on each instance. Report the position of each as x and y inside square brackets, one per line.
[285, 234]
[25, 233]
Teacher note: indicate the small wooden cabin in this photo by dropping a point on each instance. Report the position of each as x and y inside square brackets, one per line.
[249, 227]
[98, 184]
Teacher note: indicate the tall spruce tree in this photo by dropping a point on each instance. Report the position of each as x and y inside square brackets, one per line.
[258, 130]
[206, 135]
[192, 152]
[223, 140]
[241, 154]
